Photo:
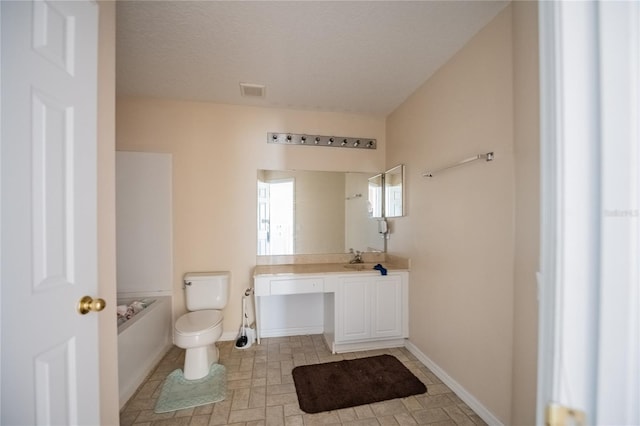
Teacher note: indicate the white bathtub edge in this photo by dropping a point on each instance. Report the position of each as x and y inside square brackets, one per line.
[128, 391]
[142, 345]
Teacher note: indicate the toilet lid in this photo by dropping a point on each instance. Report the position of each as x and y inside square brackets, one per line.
[198, 321]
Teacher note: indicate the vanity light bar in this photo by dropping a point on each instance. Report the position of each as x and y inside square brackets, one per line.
[318, 140]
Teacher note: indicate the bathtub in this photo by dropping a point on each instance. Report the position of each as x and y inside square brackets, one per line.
[142, 342]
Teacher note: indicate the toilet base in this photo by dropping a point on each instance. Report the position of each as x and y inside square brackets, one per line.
[197, 361]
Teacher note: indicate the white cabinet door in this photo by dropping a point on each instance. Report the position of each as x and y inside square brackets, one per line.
[369, 307]
[354, 309]
[386, 295]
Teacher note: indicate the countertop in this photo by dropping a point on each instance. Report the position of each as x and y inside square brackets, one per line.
[325, 268]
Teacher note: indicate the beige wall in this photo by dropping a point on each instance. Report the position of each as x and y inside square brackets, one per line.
[459, 231]
[527, 213]
[106, 215]
[217, 150]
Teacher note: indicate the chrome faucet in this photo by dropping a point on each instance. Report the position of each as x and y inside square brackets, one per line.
[357, 257]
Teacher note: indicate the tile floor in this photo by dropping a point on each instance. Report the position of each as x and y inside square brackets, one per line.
[260, 391]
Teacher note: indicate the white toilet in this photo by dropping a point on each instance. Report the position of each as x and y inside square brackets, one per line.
[206, 294]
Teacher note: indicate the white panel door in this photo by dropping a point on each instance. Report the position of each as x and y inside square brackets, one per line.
[49, 351]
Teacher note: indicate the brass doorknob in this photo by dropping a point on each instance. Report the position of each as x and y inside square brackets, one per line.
[88, 304]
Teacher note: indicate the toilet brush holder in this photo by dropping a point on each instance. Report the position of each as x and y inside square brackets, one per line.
[244, 341]
[246, 338]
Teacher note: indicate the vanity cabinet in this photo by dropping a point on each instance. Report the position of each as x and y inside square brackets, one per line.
[371, 311]
[354, 311]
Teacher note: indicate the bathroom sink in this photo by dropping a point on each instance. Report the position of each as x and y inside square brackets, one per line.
[360, 266]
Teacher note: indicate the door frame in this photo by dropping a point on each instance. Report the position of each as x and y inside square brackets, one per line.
[1, 263]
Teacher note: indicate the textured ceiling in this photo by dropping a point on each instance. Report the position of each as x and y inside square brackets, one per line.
[350, 56]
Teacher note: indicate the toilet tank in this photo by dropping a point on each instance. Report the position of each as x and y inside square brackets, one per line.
[206, 290]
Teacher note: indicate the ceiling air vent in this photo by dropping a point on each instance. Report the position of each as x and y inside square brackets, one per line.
[252, 90]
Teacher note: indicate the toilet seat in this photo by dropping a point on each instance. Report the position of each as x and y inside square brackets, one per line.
[198, 322]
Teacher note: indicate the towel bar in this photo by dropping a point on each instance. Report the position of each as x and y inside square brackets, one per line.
[488, 157]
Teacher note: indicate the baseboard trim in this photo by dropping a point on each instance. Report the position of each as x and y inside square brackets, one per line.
[339, 348]
[286, 332]
[456, 387]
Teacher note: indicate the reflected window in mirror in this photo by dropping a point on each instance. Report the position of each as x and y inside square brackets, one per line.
[276, 218]
[394, 204]
[375, 196]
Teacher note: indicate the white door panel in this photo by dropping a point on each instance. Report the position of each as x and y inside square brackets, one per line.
[49, 247]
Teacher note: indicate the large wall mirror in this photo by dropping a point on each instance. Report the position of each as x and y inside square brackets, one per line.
[316, 212]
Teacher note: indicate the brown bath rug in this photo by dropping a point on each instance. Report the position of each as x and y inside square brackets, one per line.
[342, 384]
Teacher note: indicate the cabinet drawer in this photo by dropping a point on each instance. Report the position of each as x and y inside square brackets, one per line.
[297, 286]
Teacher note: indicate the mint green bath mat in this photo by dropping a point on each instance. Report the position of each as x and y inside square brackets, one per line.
[179, 393]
